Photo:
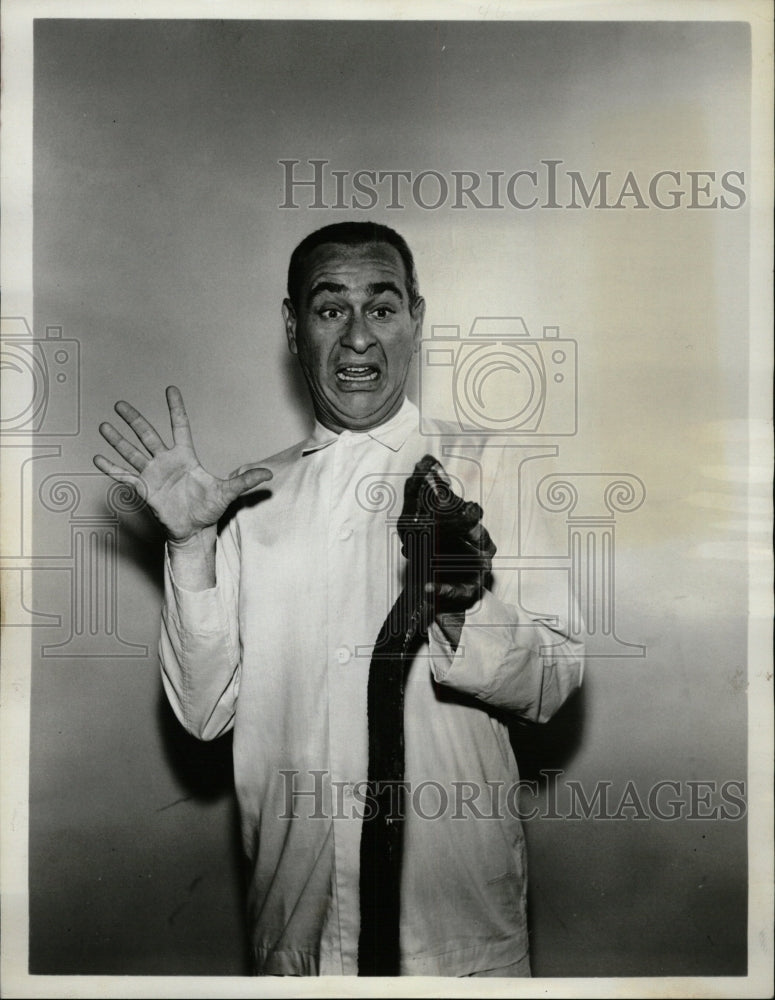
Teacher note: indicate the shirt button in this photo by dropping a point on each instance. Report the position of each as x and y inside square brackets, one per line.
[343, 654]
[344, 534]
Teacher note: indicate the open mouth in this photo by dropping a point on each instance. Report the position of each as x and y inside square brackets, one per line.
[357, 374]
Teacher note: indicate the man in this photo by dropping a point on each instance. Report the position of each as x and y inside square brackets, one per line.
[271, 621]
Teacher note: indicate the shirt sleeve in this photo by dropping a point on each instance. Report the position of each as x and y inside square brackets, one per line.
[199, 647]
[516, 650]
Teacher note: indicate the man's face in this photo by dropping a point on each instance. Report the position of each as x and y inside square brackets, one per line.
[354, 333]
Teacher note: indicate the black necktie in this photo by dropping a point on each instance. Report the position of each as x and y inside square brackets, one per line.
[443, 541]
[405, 627]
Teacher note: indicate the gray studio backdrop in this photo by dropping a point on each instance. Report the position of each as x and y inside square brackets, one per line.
[160, 255]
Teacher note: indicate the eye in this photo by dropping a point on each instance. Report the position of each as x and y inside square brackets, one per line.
[383, 312]
[330, 312]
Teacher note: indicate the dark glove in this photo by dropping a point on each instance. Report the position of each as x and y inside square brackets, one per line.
[447, 548]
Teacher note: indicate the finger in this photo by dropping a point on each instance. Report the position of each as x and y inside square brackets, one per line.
[235, 486]
[459, 595]
[467, 515]
[479, 538]
[147, 434]
[486, 544]
[120, 474]
[245, 468]
[455, 595]
[136, 458]
[459, 520]
[181, 428]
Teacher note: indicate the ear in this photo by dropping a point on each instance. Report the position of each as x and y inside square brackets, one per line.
[289, 318]
[418, 316]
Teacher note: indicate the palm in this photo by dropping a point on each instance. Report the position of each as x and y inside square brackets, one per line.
[181, 493]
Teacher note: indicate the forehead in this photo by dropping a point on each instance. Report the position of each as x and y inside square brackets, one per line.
[354, 266]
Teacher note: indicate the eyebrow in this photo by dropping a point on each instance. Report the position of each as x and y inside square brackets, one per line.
[376, 288]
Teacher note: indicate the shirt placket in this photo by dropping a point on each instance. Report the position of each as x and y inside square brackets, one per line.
[347, 681]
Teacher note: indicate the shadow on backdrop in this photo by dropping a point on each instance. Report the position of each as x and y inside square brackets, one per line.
[205, 772]
[551, 745]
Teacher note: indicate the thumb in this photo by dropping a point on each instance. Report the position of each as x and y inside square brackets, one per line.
[240, 482]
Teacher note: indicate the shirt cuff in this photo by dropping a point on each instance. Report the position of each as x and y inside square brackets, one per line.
[197, 611]
[498, 659]
[443, 653]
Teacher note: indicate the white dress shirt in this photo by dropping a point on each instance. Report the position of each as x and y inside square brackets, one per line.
[307, 569]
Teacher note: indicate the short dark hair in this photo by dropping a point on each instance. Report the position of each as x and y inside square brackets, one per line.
[350, 234]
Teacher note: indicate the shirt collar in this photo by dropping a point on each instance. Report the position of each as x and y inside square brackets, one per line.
[393, 434]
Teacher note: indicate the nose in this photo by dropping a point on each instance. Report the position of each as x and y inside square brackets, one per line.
[357, 335]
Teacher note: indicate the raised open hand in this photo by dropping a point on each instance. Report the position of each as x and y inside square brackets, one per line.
[184, 497]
